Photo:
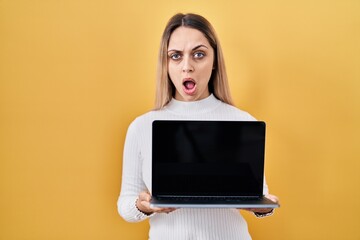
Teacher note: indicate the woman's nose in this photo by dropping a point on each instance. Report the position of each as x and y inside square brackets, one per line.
[187, 67]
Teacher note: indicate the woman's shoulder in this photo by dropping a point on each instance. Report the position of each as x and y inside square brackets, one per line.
[145, 119]
[235, 113]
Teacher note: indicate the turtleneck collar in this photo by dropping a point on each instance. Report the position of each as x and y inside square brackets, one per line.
[191, 108]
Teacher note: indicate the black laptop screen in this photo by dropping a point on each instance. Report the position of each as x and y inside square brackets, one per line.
[208, 158]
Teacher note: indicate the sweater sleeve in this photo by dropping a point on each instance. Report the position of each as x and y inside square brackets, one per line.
[132, 182]
[265, 188]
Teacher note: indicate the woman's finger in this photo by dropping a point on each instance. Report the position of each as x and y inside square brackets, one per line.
[145, 196]
[272, 198]
[144, 200]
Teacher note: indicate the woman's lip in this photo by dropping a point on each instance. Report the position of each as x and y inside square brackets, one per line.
[188, 79]
[189, 91]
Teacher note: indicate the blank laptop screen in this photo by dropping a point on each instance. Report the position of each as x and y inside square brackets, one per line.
[208, 158]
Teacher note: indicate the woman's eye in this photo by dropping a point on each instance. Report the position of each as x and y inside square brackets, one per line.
[175, 56]
[199, 55]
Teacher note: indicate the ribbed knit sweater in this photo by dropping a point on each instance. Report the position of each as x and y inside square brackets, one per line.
[184, 223]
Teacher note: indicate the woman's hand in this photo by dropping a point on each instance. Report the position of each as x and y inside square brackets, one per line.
[265, 210]
[143, 204]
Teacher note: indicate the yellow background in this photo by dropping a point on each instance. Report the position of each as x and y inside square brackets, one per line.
[75, 73]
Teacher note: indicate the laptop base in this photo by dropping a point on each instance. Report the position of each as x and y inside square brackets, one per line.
[183, 202]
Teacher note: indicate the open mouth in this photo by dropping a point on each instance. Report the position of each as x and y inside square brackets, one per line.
[189, 86]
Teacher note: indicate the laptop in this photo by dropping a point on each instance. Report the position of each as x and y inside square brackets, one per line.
[208, 164]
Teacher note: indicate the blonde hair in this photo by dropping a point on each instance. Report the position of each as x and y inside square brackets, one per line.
[218, 84]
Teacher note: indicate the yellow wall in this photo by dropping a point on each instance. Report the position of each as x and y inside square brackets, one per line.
[74, 73]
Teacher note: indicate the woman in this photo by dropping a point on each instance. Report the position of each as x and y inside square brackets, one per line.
[192, 84]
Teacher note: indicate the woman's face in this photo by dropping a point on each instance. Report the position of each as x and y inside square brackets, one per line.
[191, 61]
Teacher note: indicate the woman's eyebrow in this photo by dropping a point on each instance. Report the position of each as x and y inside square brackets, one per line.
[197, 47]
[174, 50]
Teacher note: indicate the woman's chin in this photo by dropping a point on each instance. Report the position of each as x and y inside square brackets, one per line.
[190, 96]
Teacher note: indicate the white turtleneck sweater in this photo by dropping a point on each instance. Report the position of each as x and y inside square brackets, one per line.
[185, 223]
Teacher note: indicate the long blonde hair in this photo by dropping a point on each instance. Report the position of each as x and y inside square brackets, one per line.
[218, 84]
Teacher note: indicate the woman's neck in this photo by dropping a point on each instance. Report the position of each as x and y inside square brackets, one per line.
[192, 107]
